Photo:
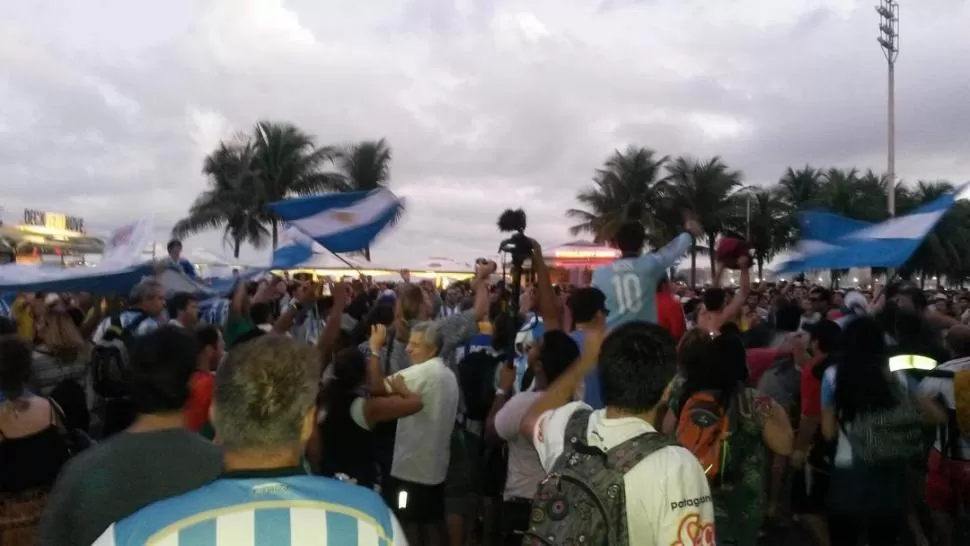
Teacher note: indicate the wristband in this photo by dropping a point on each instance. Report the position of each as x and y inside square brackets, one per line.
[500, 392]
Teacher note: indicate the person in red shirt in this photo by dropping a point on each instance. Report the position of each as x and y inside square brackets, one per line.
[202, 383]
[810, 492]
[670, 314]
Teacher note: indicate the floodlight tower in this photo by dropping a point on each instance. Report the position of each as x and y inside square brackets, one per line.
[888, 11]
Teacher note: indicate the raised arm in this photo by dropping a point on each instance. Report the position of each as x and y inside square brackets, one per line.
[675, 249]
[733, 308]
[544, 292]
[562, 389]
[331, 330]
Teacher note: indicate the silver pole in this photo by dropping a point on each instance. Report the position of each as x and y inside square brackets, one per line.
[891, 167]
[748, 219]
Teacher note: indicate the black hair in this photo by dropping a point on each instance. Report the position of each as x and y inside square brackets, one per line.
[862, 383]
[828, 334]
[585, 303]
[248, 335]
[631, 235]
[207, 335]
[823, 294]
[788, 316]
[636, 362]
[162, 362]
[557, 352]
[172, 244]
[711, 362]
[15, 362]
[77, 316]
[379, 314]
[350, 371]
[261, 312]
[7, 326]
[324, 305]
[715, 298]
[181, 301]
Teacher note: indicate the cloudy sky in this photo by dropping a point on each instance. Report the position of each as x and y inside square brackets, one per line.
[107, 107]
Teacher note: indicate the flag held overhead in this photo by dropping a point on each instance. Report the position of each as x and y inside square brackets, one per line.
[830, 241]
[341, 222]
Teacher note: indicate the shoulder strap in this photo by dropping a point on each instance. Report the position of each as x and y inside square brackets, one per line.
[389, 351]
[58, 418]
[629, 454]
[133, 327]
[575, 434]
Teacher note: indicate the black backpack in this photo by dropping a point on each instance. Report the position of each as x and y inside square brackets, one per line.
[476, 380]
[109, 358]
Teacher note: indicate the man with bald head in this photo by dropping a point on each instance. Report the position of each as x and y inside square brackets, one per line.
[948, 473]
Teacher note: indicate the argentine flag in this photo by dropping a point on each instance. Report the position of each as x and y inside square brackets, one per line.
[830, 241]
[341, 222]
[295, 249]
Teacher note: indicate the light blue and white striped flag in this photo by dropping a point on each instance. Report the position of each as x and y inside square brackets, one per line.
[830, 241]
[341, 222]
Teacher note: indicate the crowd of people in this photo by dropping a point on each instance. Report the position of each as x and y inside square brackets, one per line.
[633, 411]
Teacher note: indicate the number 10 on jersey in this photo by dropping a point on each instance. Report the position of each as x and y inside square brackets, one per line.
[629, 295]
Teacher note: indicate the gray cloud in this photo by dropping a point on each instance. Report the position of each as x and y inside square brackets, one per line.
[108, 111]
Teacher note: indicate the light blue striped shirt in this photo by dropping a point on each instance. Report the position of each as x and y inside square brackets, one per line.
[292, 510]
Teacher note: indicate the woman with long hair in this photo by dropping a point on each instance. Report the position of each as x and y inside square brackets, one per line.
[870, 499]
[343, 443]
[59, 367]
[61, 354]
[32, 450]
[712, 368]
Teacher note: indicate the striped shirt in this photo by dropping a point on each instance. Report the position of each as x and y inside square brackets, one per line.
[263, 509]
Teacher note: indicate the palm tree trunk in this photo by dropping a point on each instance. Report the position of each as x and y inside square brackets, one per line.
[235, 248]
[276, 234]
[693, 268]
[761, 267]
[713, 255]
[367, 252]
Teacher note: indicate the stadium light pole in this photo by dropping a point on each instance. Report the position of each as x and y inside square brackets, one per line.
[888, 11]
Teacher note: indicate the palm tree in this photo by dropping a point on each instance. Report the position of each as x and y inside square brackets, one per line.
[288, 162]
[799, 189]
[769, 232]
[365, 166]
[232, 202]
[626, 177]
[707, 188]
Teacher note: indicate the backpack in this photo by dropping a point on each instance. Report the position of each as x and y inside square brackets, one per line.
[476, 380]
[109, 358]
[583, 500]
[705, 428]
[75, 439]
[958, 422]
[888, 436]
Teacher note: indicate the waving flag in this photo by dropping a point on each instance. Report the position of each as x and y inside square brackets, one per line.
[341, 222]
[830, 241]
[295, 248]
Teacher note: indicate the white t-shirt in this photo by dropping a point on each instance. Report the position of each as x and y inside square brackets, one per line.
[668, 499]
[524, 469]
[422, 445]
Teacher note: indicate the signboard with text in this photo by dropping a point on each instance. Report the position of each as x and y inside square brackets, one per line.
[53, 220]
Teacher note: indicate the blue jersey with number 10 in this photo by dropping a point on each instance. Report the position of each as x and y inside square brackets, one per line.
[630, 284]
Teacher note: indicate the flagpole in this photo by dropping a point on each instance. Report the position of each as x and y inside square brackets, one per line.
[341, 258]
